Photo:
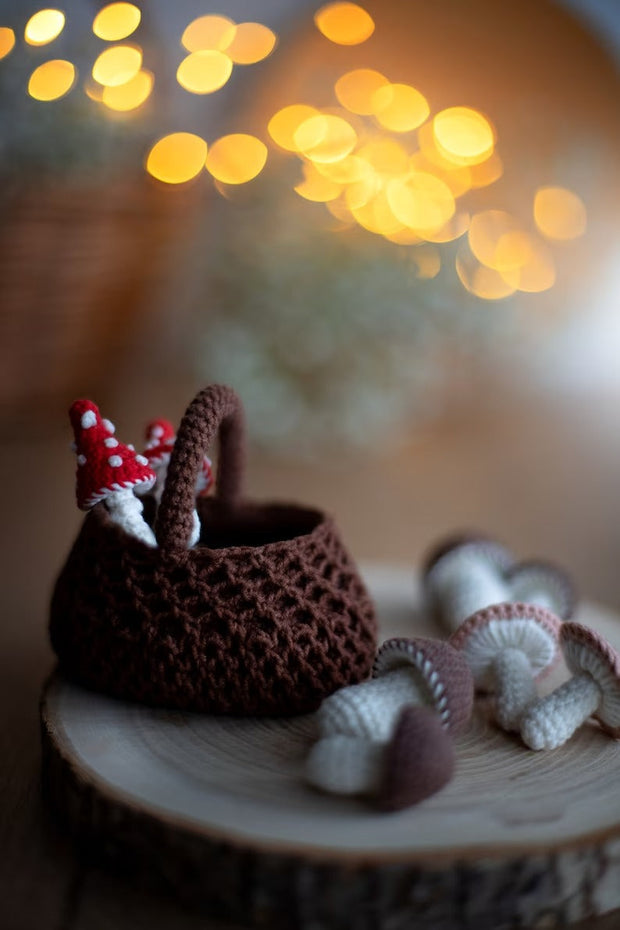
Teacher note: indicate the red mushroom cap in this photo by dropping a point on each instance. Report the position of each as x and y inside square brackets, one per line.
[205, 479]
[105, 465]
[160, 439]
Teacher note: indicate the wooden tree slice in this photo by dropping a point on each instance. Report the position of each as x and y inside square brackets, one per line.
[217, 810]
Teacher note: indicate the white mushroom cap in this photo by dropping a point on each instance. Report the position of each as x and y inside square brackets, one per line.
[540, 582]
[484, 635]
[478, 548]
[587, 652]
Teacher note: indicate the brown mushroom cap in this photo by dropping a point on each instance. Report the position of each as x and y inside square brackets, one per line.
[525, 578]
[488, 632]
[587, 651]
[418, 761]
[442, 670]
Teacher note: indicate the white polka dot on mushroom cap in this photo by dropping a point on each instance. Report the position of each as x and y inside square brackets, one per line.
[142, 460]
[81, 460]
[88, 419]
[158, 431]
[115, 461]
[109, 426]
[110, 442]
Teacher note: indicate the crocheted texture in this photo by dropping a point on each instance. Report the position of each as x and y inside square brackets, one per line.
[551, 721]
[442, 671]
[487, 633]
[586, 651]
[544, 583]
[418, 762]
[347, 765]
[267, 616]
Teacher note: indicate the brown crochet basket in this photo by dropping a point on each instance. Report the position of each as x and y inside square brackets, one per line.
[266, 615]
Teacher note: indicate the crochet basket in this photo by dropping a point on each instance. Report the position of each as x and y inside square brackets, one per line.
[266, 615]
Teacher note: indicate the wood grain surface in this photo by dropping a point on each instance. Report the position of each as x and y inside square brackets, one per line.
[217, 809]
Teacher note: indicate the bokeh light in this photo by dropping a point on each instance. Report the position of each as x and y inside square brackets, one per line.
[456, 227]
[211, 32]
[355, 89]
[116, 21]
[377, 215]
[385, 156]
[252, 42]
[7, 41]
[204, 72]
[421, 201]
[44, 27]
[536, 273]
[485, 232]
[316, 187]
[428, 262]
[51, 80]
[284, 124]
[559, 213]
[131, 95]
[346, 170]
[478, 279]
[237, 158]
[399, 107]
[486, 172]
[117, 65]
[344, 23]
[177, 158]
[463, 135]
[325, 138]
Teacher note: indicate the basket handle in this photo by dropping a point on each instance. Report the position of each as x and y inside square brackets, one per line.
[215, 409]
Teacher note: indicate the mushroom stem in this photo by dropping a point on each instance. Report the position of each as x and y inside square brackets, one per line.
[514, 689]
[346, 765]
[126, 510]
[552, 720]
[370, 709]
[465, 585]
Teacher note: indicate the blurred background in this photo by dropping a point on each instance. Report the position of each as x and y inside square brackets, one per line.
[391, 227]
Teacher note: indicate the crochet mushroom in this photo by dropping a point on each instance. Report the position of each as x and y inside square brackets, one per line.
[420, 694]
[160, 439]
[109, 471]
[507, 647]
[594, 690]
[469, 572]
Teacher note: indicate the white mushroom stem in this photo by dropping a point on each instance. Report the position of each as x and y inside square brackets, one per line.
[126, 510]
[553, 719]
[346, 765]
[371, 709]
[465, 584]
[515, 689]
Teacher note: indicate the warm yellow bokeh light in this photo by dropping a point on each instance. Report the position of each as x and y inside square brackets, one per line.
[399, 107]
[428, 261]
[117, 65]
[346, 171]
[514, 250]
[355, 89]
[51, 80]
[485, 231]
[209, 33]
[404, 236]
[251, 43]
[237, 158]
[7, 41]
[536, 274]
[340, 211]
[116, 21]
[463, 135]
[204, 72]
[559, 213]
[344, 23]
[456, 227]
[377, 216]
[283, 125]
[421, 201]
[44, 27]
[316, 187]
[385, 156]
[325, 138]
[131, 95]
[177, 158]
[487, 171]
[457, 177]
[479, 280]
[361, 192]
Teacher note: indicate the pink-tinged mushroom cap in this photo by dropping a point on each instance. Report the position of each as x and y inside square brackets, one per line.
[104, 465]
[441, 670]
[160, 437]
[535, 577]
[587, 651]
[484, 547]
[484, 635]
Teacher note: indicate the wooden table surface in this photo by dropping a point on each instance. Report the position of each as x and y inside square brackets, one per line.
[527, 475]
